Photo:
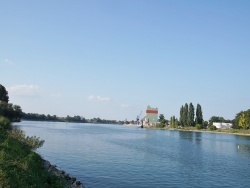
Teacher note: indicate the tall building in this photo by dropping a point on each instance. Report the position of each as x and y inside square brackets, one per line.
[151, 115]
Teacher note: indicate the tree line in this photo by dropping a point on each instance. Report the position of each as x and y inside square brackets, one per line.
[191, 117]
[188, 117]
[9, 110]
[75, 119]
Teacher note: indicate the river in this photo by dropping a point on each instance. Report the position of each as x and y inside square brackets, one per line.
[120, 156]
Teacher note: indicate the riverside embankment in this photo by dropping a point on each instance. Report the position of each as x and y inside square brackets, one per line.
[20, 166]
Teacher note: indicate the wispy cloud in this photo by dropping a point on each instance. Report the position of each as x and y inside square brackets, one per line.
[98, 98]
[24, 90]
[7, 61]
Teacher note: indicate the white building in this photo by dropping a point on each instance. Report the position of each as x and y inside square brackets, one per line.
[151, 116]
[219, 125]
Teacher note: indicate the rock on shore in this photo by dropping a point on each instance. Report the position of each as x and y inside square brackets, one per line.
[69, 182]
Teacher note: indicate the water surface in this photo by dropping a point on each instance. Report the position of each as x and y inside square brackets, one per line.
[121, 156]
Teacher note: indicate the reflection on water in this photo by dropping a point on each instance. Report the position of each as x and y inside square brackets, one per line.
[120, 156]
[242, 145]
[186, 135]
[191, 136]
[243, 150]
[198, 138]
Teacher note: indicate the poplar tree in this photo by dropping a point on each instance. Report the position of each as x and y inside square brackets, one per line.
[181, 115]
[191, 115]
[185, 115]
[199, 116]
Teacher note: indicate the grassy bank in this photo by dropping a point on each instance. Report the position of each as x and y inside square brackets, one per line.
[21, 167]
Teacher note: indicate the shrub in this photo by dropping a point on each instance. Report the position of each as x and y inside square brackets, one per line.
[161, 125]
[199, 126]
[30, 142]
[212, 128]
[5, 123]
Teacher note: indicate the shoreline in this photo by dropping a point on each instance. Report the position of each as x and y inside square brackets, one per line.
[218, 131]
[68, 181]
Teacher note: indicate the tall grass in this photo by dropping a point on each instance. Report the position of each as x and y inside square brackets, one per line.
[20, 166]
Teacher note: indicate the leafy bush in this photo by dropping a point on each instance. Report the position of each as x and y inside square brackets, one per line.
[30, 142]
[212, 128]
[161, 125]
[199, 126]
[236, 127]
[5, 123]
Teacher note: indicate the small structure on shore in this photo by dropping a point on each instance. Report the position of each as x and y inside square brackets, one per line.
[219, 125]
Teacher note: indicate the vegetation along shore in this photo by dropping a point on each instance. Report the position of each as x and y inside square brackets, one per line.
[20, 165]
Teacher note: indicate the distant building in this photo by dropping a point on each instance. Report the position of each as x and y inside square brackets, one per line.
[151, 117]
[219, 125]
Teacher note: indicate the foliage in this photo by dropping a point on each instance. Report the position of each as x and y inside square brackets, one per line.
[162, 120]
[212, 128]
[161, 125]
[30, 142]
[205, 124]
[199, 126]
[75, 119]
[242, 119]
[3, 94]
[199, 116]
[12, 112]
[8, 110]
[218, 119]
[191, 115]
[174, 122]
[21, 167]
[181, 115]
[185, 115]
[5, 123]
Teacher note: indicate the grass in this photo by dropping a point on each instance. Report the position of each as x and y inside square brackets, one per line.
[21, 167]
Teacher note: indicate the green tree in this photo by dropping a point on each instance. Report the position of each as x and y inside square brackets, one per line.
[191, 115]
[10, 111]
[181, 115]
[199, 116]
[217, 119]
[172, 118]
[185, 115]
[244, 120]
[3, 94]
[162, 119]
[176, 122]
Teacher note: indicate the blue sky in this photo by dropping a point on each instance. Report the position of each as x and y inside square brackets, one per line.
[110, 59]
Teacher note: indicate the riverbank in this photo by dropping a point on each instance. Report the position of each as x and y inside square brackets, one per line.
[20, 166]
[240, 132]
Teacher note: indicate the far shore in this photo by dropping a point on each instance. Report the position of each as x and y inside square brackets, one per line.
[240, 132]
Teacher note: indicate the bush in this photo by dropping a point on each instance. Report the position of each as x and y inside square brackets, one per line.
[5, 123]
[212, 128]
[161, 125]
[30, 142]
[199, 126]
